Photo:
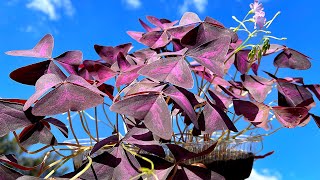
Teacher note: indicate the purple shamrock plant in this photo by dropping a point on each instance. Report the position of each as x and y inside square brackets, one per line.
[180, 106]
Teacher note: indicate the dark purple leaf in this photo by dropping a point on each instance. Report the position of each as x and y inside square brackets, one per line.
[12, 117]
[241, 62]
[7, 173]
[213, 22]
[109, 53]
[145, 26]
[292, 59]
[173, 69]
[44, 84]
[145, 85]
[116, 165]
[255, 68]
[154, 149]
[162, 167]
[290, 117]
[43, 49]
[123, 64]
[60, 125]
[128, 76]
[189, 18]
[273, 49]
[155, 21]
[257, 86]
[155, 39]
[73, 94]
[107, 141]
[70, 60]
[11, 160]
[256, 113]
[37, 133]
[99, 71]
[152, 108]
[204, 33]
[294, 95]
[135, 35]
[177, 33]
[183, 102]
[212, 54]
[315, 88]
[230, 93]
[180, 154]
[216, 119]
[195, 172]
[107, 89]
[31, 73]
[220, 100]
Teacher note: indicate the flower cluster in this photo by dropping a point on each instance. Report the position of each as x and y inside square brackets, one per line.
[259, 14]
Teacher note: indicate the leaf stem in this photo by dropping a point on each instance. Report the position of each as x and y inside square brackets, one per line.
[72, 130]
[96, 120]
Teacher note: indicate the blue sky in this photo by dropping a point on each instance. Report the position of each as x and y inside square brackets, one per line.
[78, 25]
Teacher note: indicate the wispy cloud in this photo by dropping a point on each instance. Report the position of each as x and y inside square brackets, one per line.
[133, 4]
[28, 29]
[52, 8]
[199, 5]
[265, 174]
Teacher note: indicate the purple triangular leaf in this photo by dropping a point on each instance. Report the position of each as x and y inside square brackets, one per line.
[315, 88]
[12, 117]
[273, 49]
[195, 172]
[241, 61]
[173, 69]
[216, 119]
[145, 26]
[44, 84]
[295, 95]
[204, 33]
[257, 86]
[70, 60]
[189, 18]
[180, 154]
[31, 73]
[107, 141]
[98, 70]
[43, 49]
[60, 125]
[109, 53]
[37, 133]
[8, 173]
[155, 39]
[221, 100]
[292, 59]
[256, 113]
[155, 21]
[212, 54]
[150, 107]
[128, 76]
[290, 117]
[183, 102]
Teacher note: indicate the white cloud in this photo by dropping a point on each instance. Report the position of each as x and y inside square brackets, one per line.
[134, 4]
[265, 174]
[199, 5]
[28, 29]
[51, 7]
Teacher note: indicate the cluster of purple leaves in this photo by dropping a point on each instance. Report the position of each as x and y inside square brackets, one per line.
[152, 80]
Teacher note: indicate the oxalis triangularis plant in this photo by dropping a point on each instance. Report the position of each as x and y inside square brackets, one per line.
[194, 79]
